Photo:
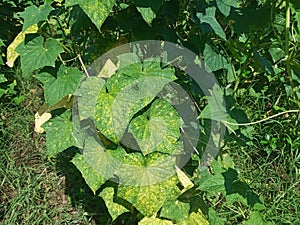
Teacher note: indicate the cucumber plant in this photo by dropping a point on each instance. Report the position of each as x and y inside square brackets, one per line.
[140, 175]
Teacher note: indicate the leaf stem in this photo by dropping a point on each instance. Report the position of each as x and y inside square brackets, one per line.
[83, 66]
[263, 120]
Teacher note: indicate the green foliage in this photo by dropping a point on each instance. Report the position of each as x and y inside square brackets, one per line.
[33, 15]
[261, 51]
[44, 54]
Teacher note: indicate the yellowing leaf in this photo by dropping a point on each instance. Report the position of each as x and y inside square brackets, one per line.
[12, 55]
[154, 221]
[197, 219]
[40, 120]
[184, 180]
[108, 69]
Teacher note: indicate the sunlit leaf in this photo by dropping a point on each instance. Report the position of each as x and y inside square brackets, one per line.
[114, 209]
[256, 219]
[149, 199]
[147, 14]
[93, 179]
[33, 15]
[197, 219]
[12, 55]
[59, 134]
[40, 120]
[65, 83]
[127, 92]
[36, 54]
[157, 129]
[175, 210]
[154, 221]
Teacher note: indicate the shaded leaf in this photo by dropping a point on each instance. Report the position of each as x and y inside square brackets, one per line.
[210, 19]
[225, 5]
[96, 10]
[213, 60]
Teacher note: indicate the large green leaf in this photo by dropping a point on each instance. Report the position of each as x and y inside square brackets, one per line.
[114, 209]
[65, 83]
[97, 10]
[59, 134]
[128, 91]
[157, 129]
[154, 221]
[135, 169]
[210, 19]
[177, 211]
[36, 54]
[33, 14]
[149, 199]
[91, 177]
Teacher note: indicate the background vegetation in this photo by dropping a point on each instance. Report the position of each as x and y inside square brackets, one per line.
[251, 46]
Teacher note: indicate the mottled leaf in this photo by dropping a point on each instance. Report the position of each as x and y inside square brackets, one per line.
[177, 211]
[93, 179]
[36, 54]
[86, 96]
[59, 134]
[197, 219]
[149, 199]
[157, 129]
[127, 92]
[96, 10]
[114, 209]
[33, 15]
[154, 221]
